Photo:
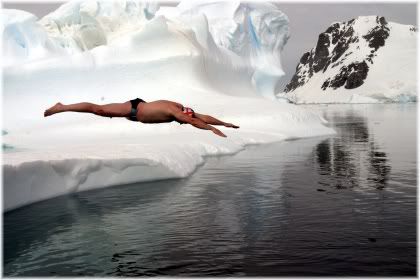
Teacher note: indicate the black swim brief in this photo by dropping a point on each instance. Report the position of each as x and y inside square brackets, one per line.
[133, 113]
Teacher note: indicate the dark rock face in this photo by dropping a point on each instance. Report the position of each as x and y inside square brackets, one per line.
[351, 76]
[333, 47]
[320, 58]
[377, 36]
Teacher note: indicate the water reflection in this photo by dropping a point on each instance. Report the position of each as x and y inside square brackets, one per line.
[379, 168]
[352, 158]
[36, 225]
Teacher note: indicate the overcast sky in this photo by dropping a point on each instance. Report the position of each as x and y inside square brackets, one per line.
[307, 21]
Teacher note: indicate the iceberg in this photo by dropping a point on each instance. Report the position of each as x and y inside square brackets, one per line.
[220, 58]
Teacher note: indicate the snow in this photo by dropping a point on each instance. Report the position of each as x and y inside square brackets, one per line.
[106, 52]
[391, 78]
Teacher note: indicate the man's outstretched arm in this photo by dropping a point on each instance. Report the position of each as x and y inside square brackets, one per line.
[182, 118]
[212, 120]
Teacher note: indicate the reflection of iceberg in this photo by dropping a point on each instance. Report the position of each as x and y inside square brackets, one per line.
[104, 52]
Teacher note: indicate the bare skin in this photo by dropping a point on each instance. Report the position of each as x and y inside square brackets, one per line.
[160, 111]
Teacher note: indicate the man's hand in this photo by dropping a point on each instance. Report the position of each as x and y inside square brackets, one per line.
[231, 125]
[218, 132]
[182, 118]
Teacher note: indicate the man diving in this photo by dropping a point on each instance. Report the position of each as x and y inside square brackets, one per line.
[160, 111]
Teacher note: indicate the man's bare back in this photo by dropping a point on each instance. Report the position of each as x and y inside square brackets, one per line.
[159, 111]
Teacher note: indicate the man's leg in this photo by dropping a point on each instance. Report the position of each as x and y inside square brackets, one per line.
[211, 120]
[108, 110]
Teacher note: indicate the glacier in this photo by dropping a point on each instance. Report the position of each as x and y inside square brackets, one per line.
[220, 58]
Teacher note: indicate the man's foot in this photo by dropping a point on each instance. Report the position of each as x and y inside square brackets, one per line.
[54, 109]
[231, 125]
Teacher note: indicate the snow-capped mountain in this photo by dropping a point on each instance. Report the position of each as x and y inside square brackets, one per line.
[366, 59]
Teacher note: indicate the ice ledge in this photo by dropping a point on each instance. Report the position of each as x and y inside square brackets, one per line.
[32, 176]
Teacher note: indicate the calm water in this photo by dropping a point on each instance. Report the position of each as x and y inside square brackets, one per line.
[337, 205]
